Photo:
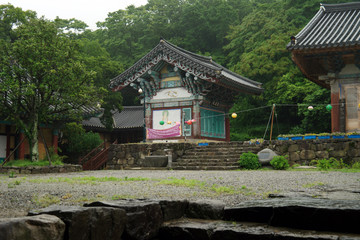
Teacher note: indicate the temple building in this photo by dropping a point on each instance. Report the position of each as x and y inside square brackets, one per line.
[327, 51]
[185, 96]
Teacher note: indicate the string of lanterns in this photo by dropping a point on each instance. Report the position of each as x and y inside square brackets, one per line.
[234, 115]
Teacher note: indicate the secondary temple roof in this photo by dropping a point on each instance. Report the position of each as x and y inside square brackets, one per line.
[334, 25]
[129, 117]
[200, 67]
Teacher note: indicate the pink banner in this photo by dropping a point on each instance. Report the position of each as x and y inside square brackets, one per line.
[174, 131]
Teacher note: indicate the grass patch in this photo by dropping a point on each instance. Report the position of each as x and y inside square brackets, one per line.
[183, 182]
[314, 184]
[87, 180]
[121, 196]
[45, 200]
[28, 163]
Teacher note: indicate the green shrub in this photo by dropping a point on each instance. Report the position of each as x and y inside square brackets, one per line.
[249, 161]
[356, 165]
[331, 163]
[77, 142]
[279, 163]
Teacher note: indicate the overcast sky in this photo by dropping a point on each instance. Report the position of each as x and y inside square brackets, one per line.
[89, 11]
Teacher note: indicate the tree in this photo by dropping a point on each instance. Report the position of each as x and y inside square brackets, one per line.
[41, 79]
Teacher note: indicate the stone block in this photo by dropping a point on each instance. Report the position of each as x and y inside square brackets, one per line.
[89, 223]
[155, 161]
[294, 156]
[322, 154]
[206, 209]
[41, 227]
[173, 209]
[307, 155]
[144, 218]
[337, 153]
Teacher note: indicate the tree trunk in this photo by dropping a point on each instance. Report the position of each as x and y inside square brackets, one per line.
[33, 139]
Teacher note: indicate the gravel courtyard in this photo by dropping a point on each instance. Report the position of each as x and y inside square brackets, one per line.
[25, 192]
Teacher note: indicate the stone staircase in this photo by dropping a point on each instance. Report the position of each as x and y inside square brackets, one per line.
[214, 156]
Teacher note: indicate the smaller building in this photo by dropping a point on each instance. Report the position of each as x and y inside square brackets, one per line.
[127, 128]
[186, 96]
[327, 51]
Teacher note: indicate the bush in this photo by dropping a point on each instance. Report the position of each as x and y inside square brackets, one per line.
[77, 142]
[249, 161]
[331, 163]
[279, 163]
[356, 165]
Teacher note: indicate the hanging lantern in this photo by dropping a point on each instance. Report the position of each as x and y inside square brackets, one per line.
[234, 115]
[189, 122]
[329, 107]
[310, 108]
[169, 122]
[161, 122]
[359, 105]
[193, 120]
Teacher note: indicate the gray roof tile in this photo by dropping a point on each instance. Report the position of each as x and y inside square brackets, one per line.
[334, 25]
[129, 117]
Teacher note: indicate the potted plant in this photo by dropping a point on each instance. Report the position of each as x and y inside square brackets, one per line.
[337, 135]
[323, 136]
[296, 137]
[353, 135]
[310, 136]
[283, 137]
[256, 141]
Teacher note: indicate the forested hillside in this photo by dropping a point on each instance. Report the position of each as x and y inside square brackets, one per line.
[247, 36]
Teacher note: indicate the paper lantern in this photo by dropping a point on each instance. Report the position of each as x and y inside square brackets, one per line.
[189, 122]
[193, 120]
[234, 115]
[169, 122]
[359, 105]
[329, 107]
[161, 122]
[310, 108]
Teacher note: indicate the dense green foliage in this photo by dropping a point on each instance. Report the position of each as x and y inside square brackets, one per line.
[279, 163]
[331, 163]
[76, 142]
[247, 36]
[249, 161]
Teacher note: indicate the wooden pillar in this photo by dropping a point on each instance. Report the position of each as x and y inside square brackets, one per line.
[55, 140]
[22, 146]
[196, 125]
[335, 112]
[227, 128]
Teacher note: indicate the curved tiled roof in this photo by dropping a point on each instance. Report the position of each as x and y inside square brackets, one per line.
[196, 63]
[129, 117]
[334, 25]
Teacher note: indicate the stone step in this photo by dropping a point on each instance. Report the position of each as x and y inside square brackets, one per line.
[205, 164]
[197, 167]
[220, 230]
[210, 157]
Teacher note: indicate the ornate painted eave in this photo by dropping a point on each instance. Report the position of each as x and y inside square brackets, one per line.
[199, 67]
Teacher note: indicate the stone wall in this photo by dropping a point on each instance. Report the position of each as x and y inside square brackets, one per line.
[303, 151]
[299, 152]
[131, 155]
[40, 170]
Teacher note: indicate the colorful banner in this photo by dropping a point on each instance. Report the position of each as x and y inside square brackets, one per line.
[174, 131]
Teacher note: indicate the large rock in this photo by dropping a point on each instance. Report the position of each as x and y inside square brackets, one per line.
[265, 156]
[89, 223]
[41, 227]
[144, 217]
[206, 209]
[173, 209]
[195, 229]
[312, 214]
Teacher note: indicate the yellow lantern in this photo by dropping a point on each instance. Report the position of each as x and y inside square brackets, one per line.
[234, 115]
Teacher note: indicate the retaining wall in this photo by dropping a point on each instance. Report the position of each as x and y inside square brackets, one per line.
[40, 170]
[298, 152]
